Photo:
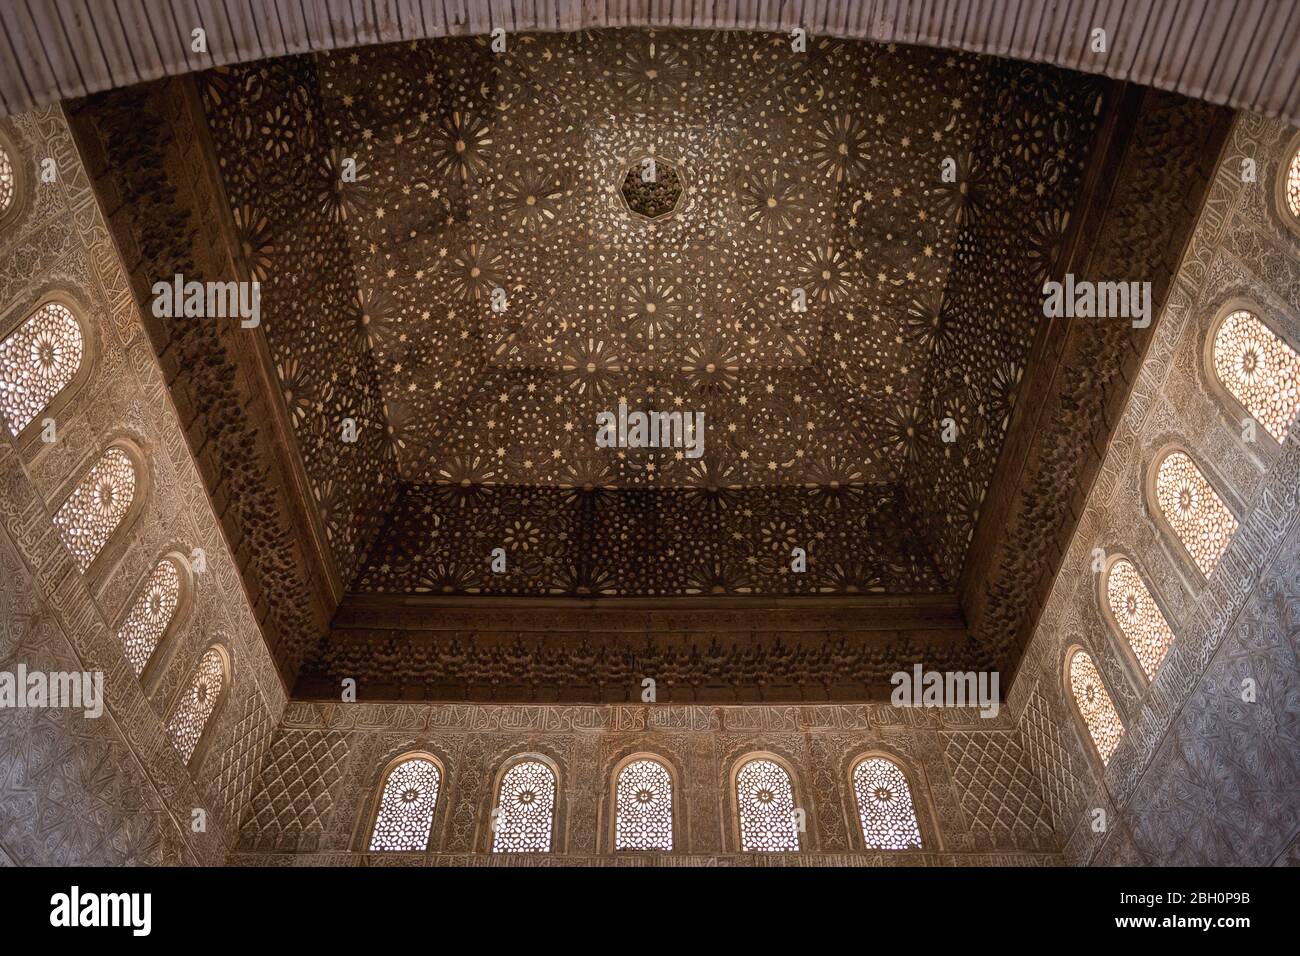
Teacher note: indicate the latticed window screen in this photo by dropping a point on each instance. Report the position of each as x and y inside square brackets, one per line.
[150, 615]
[1259, 370]
[885, 806]
[8, 181]
[765, 796]
[525, 809]
[1140, 622]
[406, 806]
[1197, 514]
[644, 807]
[97, 506]
[1292, 185]
[200, 700]
[1094, 705]
[37, 361]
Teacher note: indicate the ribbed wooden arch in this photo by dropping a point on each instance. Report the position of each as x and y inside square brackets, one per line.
[1244, 53]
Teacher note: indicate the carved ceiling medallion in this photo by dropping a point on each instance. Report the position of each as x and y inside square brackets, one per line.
[652, 189]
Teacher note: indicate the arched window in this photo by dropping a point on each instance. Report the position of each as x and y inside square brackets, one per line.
[1291, 184]
[406, 805]
[765, 799]
[37, 361]
[8, 182]
[196, 706]
[643, 817]
[885, 806]
[1259, 370]
[525, 809]
[1094, 705]
[1137, 616]
[97, 506]
[151, 614]
[1197, 515]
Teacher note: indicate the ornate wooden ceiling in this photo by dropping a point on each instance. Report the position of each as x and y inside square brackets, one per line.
[482, 292]
[485, 287]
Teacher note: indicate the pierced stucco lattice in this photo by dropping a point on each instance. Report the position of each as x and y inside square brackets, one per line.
[38, 359]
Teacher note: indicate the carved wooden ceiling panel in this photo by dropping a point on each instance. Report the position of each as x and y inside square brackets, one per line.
[501, 271]
[670, 542]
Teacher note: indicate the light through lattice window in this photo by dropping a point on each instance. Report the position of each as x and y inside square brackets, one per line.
[1198, 516]
[1094, 705]
[768, 822]
[1259, 370]
[37, 362]
[1292, 187]
[406, 806]
[8, 181]
[525, 809]
[200, 700]
[1138, 616]
[150, 615]
[885, 806]
[97, 506]
[644, 807]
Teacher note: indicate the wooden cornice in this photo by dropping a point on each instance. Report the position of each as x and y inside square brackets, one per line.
[1145, 185]
[144, 153]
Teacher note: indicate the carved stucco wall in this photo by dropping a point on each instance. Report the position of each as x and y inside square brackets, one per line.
[978, 800]
[1200, 777]
[111, 790]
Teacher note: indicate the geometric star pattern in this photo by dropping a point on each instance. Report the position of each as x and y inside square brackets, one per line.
[451, 268]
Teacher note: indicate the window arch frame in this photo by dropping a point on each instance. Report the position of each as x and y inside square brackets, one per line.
[1072, 704]
[156, 665]
[1185, 558]
[119, 538]
[1229, 406]
[806, 842]
[29, 437]
[675, 810]
[9, 218]
[376, 800]
[921, 809]
[1283, 210]
[1132, 663]
[206, 735]
[559, 839]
